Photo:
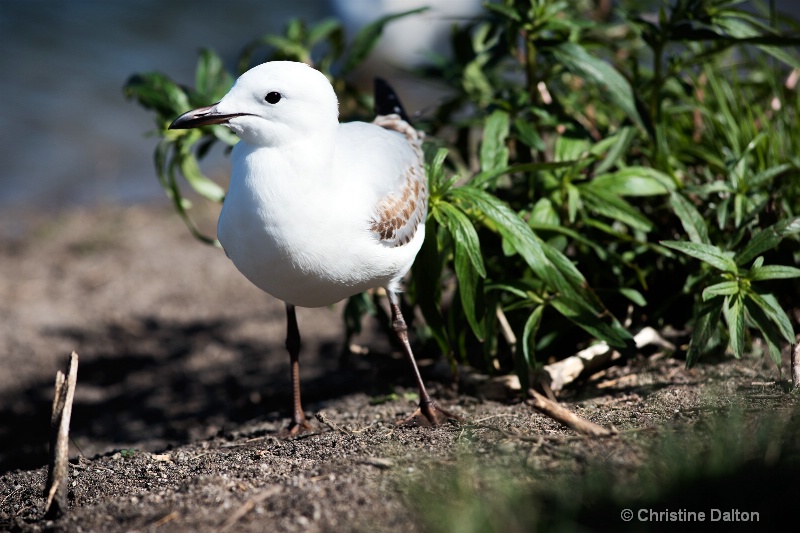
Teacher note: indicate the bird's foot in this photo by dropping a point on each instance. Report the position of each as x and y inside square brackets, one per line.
[428, 414]
[295, 428]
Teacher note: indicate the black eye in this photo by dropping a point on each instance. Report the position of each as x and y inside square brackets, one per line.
[273, 97]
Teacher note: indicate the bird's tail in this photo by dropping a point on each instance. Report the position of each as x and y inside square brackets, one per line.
[387, 102]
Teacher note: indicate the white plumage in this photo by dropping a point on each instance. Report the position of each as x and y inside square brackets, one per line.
[318, 211]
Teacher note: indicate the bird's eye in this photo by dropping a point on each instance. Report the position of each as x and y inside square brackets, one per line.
[273, 97]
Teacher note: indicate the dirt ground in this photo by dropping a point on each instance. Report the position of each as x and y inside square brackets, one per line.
[183, 386]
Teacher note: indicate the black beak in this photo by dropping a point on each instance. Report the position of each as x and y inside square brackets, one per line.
[202, 116]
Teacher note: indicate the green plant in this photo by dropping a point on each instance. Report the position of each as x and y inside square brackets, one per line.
[575, 150]
[614, 134]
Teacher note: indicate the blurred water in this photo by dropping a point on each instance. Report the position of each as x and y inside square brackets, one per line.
[67, 134]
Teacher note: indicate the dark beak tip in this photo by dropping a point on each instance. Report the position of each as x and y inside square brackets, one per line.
[181, 123]
[195, 118]
[184, 121]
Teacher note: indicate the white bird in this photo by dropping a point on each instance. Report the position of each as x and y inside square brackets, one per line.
[317, 211]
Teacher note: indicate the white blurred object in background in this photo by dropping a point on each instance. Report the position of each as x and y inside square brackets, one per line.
[406, 41]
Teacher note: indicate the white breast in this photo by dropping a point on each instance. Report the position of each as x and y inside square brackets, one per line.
[295, 221]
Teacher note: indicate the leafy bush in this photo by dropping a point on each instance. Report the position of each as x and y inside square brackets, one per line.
[581, 165]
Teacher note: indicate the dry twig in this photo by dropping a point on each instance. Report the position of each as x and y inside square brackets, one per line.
[566, 417]
[58, 472]
[595, 358]
[323, 418]
[248, 506]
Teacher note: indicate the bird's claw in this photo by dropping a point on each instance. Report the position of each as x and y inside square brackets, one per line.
[295, 428]
[428, 414]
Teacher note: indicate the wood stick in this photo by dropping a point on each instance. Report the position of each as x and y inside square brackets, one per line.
[795, 355]
[248, 506]
[58, 471]
[595, 358]
[566, 417]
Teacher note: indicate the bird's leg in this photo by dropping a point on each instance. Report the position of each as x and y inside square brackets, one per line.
[299, 422]
[428, 413]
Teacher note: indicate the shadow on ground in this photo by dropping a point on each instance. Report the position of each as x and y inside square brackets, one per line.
[152, 384]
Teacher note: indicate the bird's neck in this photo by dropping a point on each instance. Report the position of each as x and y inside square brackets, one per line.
[285, 171]
[272, 188]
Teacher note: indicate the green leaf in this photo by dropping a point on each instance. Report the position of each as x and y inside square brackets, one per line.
[156, 91]
[733, 310]
[770, 306]
[706, 321]
[426, 276]
[475, 82]
[633, 295]
[515, 232]
[435, 172]
[725, 288]
[468, 262]
[774, 272]
[692, 221]
[767, 239]
[614, 207]
[161, 156]
[469, 291]
[782, 55]
[178, 201]
[570, 149]
[707, 253]
[621, 142]
[529, 334]
[543, 213]
[634, 181]
[329, 29]
[574, 203]
[356, 307]
[517, 289]
[600, 74]
[464, 234]
[550, 265]
[528, 134]
[494, 152]
[570, 272]
[505, 11]
[212, 81]
[488, 176]
[365, 40]
[769, 174]
[225, 135]
[285, 48]
[767, 328]
[201, 184]
[584, 317]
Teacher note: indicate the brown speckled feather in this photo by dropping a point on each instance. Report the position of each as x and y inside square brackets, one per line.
[397, 217]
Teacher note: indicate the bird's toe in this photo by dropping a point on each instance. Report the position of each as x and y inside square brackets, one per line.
[427, 415]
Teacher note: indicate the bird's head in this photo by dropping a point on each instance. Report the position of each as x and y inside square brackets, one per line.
[272, 104]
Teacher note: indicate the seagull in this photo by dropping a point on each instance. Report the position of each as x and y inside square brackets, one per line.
[317, 210]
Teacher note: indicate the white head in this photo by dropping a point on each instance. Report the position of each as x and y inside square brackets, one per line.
[273, 104]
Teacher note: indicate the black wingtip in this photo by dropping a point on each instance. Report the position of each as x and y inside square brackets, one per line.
[387, 102]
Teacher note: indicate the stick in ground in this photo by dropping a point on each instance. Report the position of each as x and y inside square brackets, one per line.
[58, 472]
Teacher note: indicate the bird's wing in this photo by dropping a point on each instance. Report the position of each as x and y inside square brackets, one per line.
[403, 206]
